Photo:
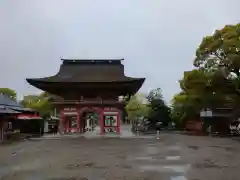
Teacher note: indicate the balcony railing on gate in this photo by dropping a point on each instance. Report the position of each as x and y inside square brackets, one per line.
[87, 102]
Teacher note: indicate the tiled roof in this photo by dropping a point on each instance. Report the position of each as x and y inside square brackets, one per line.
[10, 104]
[7, 111]
[109, 73]
[7, 101]
[89, 71]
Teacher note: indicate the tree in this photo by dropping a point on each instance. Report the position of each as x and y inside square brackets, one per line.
[155, 94]
[159, 111]
[221, 52]
[216, 81]
[9, 92]
[179, 112]
[185, 106]
[136, 107]
[39, 103]
[207, 88]
[222, 49]
[200, 89]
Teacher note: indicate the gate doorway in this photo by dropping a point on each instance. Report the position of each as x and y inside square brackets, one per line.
[90, 119]
[71, 123]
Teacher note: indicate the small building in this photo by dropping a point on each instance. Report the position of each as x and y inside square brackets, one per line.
[50, 124]
[15, 117]
[5, 115]
[88, 93]
[221, 119]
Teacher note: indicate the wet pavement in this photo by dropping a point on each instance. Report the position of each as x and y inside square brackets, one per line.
[125, 133]
[172, 157]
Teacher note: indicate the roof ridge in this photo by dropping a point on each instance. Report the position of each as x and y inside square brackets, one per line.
[92, 59]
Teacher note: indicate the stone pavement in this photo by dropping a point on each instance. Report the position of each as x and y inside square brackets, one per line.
[173, 157]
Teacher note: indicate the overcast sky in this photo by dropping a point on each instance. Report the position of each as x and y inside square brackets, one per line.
[157, 38]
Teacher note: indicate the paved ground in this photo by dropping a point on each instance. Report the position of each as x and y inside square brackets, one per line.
[173, 157]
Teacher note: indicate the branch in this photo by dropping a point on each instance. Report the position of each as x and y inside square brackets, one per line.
[218, 56]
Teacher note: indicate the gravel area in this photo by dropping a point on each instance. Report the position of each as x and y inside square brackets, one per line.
[172, 157]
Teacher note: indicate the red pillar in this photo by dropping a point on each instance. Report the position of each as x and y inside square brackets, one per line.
[80, 120]
[102, 121]
[67, 124]
[78, 123]
[62, 120]
[118, 122]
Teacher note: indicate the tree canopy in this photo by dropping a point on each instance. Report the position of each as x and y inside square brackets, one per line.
[218, 56]
[159, 111]
[215, 81]
[137, 107]
[39, 103]
[9, 92]
[220, 51]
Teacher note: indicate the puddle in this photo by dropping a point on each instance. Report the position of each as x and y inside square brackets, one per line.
[178, 178]
[3, 171]
[169, 168]
[144, 158]
[152, 150]
[177, 168]
[127, 134]
[29, 166]
[193, 147]
[173, 148]
[172, 158]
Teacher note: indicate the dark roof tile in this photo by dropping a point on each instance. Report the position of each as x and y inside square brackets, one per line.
[7, 111]
[10, 104]
[89, 71]
[7, 101]
[89, 74]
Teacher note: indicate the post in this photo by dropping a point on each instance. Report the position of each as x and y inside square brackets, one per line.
[55, 112]
[1, 132]
[158, 133]
[118, 122]
[88, 124]
[78, 123]
[61, 131]
[102, 121]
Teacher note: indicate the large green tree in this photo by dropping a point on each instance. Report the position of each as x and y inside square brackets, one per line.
[220, 53]
[216, 81]
[159, 111]
[220, 50]
[200, 89]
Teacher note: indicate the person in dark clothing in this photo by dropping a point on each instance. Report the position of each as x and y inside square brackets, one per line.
[158, 126]
[55, 129]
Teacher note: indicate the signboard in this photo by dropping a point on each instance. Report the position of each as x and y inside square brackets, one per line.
[206, 113]
[69, 109]
[110, 129]
[109, 109]
[110, 120]
[110, 113]
[28, 116]
[70, 113]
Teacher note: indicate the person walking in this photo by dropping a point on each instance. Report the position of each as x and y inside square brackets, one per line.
[158, 128]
